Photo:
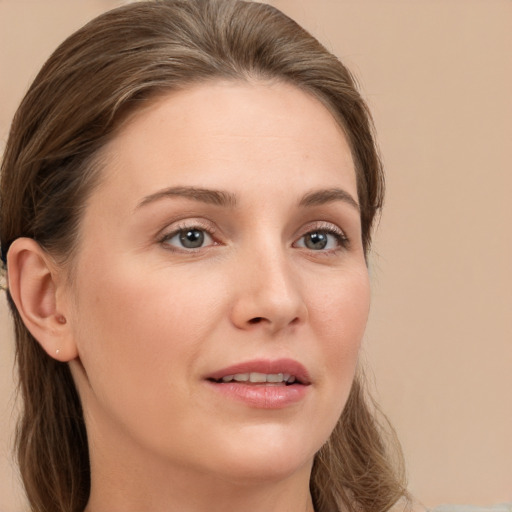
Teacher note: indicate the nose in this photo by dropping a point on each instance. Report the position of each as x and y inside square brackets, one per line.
[269, 294]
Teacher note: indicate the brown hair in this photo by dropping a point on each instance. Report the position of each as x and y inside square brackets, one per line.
[104, 71]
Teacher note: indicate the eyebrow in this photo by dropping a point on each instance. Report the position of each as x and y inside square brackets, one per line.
[227, 199]
[319, 197]
[203, 195]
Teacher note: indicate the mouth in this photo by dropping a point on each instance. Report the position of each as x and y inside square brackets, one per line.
[276, 379]
[263, 384]
[281, 372]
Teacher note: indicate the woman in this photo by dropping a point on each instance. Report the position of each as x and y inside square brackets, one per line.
[187, 198]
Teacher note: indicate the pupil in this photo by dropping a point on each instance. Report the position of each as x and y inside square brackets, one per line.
[316, 240]
[192, 238]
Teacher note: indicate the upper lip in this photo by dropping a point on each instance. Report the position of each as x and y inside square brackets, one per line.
[267, 366]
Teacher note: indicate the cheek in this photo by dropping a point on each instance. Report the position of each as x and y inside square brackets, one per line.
[137, 344]
[127, 297]
[341, 311]
[130, 330]
[143, 327]
[337, 317]
[340, 315]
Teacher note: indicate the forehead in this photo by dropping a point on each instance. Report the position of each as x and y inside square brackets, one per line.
[219, 133]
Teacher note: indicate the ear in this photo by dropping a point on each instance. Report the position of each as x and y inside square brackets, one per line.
[35, 285]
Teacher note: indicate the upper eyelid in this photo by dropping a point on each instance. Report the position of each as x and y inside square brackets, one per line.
[322, 226]
[339, 233]
[180, 225]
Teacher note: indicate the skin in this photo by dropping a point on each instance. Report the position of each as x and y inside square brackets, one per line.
[150, 319]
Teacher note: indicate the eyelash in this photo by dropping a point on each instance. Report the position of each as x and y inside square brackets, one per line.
[342, 240]
[195, 226]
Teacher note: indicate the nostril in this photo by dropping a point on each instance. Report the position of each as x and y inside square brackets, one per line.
[255, 320]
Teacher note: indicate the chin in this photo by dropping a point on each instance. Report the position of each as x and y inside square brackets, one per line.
[270, 454]
[265, 470]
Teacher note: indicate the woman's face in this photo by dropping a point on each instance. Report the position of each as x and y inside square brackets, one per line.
[219, 259]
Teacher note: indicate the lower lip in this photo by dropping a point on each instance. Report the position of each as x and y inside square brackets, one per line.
[262, 396]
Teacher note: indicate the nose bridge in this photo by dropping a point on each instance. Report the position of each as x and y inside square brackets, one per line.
[269, 290]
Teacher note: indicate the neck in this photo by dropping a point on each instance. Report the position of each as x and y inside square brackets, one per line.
[125, 478]
[183, 491]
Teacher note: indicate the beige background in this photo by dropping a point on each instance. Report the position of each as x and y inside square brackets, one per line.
[438, 77]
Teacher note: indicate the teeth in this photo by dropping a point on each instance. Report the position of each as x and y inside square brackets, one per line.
[257, 377]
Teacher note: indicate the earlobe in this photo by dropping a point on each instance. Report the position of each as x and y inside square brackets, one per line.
[33, 281]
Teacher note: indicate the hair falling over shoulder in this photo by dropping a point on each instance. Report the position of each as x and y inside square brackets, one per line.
[99, 75]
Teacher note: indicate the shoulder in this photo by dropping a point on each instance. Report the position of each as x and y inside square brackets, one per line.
[413, 505]
[503, 507]
[409, 504]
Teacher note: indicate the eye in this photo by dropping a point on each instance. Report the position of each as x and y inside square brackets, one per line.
[189, 238]
[322, 240]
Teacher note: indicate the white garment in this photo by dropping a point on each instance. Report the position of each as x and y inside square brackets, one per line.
[503, 507]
